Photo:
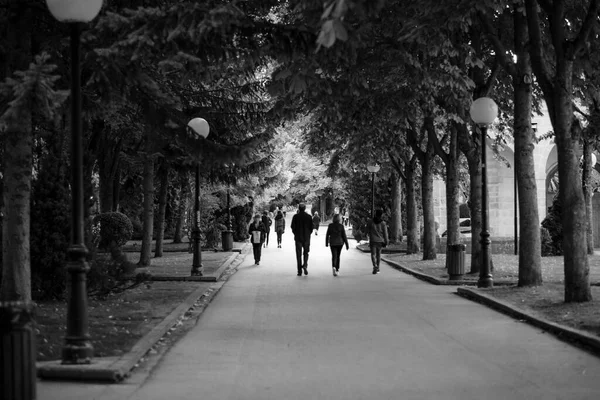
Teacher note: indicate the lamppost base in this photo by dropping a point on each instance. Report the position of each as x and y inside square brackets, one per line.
[77, 353]
[197, 271]
[486, 282]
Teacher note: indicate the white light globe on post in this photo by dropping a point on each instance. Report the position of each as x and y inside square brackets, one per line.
[484, 111]
[373, 168]
[74, 10]
[199, 126]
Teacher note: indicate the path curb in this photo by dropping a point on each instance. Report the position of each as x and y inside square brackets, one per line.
[437, 281]
[206, 278]
[115, 369]
[570, 335]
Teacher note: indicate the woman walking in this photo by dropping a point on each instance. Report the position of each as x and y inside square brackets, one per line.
[279, 227]
[267, 220]
[336, 238]
[257, 232]
[378, 238]
[316, 222]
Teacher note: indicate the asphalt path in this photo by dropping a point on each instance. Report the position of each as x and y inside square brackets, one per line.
[270, 334]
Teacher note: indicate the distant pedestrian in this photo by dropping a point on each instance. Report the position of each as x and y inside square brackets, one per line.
[346, 218]
[302, 229]
[279, 227]
[257, 232]
[336, 238]
[316, 221]
[378, 238]
[267, 221]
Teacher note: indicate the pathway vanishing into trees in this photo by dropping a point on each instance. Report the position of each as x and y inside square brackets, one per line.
[272, 335]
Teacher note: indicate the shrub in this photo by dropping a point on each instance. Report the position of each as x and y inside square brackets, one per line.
[114, 227]
[547, 247]
[240, 218]
[552, 223]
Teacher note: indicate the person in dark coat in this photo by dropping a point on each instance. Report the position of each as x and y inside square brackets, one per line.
[279, 227]
[257, 232]
[302, 229]
[336, 238]
[267, 221]
[378, 238]
[316, 221]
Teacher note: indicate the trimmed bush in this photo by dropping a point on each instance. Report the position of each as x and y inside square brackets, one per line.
[115, 228]
[547, 247]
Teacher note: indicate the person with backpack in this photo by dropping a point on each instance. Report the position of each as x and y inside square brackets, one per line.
[257, 232]
[378, 238]
[336, 238]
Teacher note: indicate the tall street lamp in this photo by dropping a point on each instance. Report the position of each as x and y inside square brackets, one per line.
[483, 112]
[78, 347]
[197, 127]
[373, 169]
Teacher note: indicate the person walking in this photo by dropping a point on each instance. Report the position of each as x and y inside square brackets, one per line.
[279, 227]
[316, 221]
[257, 232]
[302, 229]
[336, 238]
[378, 238]
[267, 221]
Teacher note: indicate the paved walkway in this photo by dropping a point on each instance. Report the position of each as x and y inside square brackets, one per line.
[272, 335]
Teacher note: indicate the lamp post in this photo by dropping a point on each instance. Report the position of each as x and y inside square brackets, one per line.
[373, 169]
[197, 127]
[77, 348]
[483, 112]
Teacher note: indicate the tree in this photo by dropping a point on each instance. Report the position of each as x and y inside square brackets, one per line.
[545, 19]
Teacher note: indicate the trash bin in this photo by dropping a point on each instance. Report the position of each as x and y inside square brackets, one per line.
[227, 237]
[456, 261]
[17, 351]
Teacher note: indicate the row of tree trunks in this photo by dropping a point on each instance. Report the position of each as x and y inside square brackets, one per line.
[413, 242]
[429, 231]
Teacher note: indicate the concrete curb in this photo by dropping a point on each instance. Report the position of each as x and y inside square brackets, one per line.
[113, 369]
[571, 335]
[384, 250]
[436, 281]
[206, 278]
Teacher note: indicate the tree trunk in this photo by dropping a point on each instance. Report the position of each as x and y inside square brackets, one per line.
[475, 210]
[530, 256]
[181, 207]
[574, 217]
[588, 193]
[396, 211]
[412, 217]
[148, 216]
[429, 245]
[163, 176]
[452, 192]
[18, 163]
[117, 187]
[106, 186]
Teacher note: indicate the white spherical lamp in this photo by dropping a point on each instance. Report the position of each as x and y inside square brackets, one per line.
[373, 168]
[484, 111]
[74, 10]
[199, 126]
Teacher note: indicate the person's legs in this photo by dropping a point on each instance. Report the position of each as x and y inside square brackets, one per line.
[306, 248]
[338, 252]
[299, 256]
[376, 256]
[279, 234]
[256, 248]
[267, 239]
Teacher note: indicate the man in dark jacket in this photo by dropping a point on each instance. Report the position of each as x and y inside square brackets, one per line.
[302, 229]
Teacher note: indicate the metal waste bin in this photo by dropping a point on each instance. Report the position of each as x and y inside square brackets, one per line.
[17, 351]
[227, 240]
[456, 261]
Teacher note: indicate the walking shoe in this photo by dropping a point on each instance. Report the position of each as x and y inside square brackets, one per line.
[299, 273]
[374, 271]
[258, 263]
[334, 271]
[305, 270]
[337, 271]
